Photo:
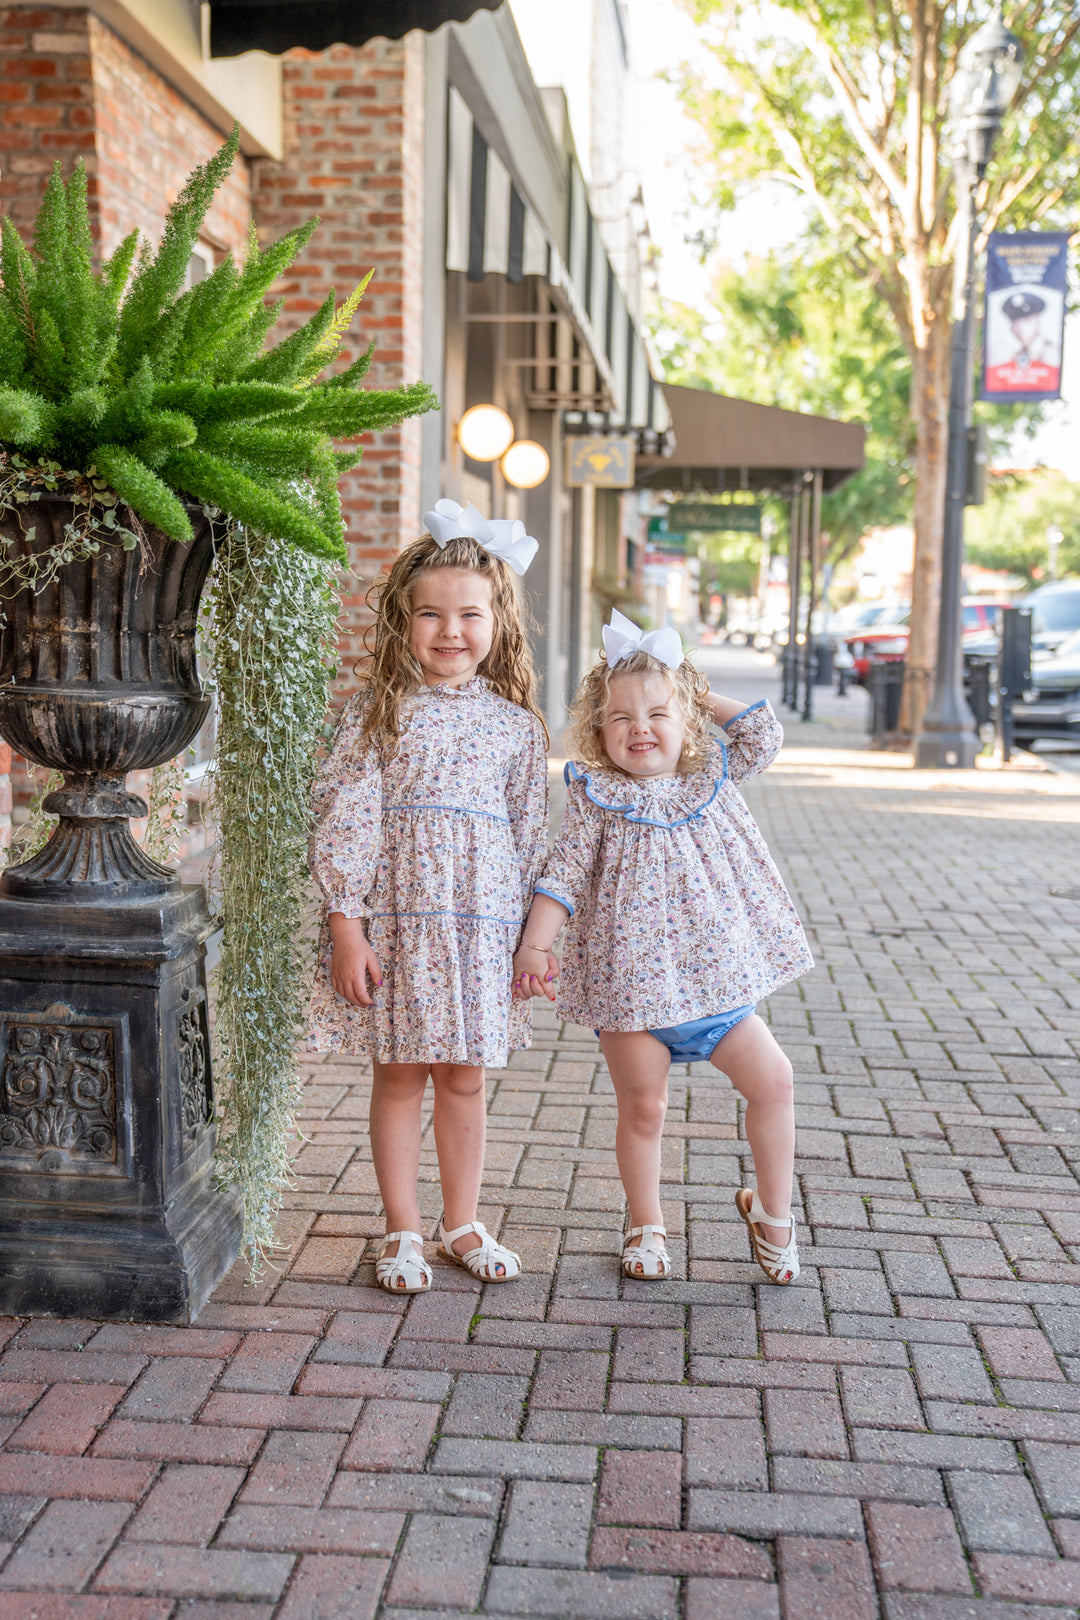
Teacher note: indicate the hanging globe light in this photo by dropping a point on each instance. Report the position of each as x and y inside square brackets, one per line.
[525, 464]
[484, 432]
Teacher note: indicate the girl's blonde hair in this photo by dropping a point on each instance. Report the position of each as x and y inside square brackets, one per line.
[584, 739]
[391, 670]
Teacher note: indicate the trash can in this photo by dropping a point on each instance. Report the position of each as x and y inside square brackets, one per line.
[886, 683]
[823, 663]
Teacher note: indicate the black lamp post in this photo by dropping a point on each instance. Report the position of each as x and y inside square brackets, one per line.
[986, 77]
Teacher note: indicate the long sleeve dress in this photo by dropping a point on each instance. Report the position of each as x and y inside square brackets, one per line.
[677, 909]
[437, 849]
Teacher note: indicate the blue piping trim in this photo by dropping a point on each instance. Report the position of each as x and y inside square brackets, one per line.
[553, 896]
[572, 774]
[762, 703]
[468, 916]
[461, 809]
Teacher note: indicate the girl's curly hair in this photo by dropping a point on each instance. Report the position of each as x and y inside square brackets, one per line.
[689, 688]
[390, 669]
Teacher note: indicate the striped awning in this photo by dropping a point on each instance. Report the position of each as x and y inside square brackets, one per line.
[608, 379]
[279, 25]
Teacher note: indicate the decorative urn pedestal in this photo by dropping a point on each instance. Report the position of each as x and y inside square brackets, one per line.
[108, 1206]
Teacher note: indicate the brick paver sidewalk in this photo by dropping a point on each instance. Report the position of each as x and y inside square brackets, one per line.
[896, 1435]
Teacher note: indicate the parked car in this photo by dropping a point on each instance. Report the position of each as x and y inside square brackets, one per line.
[888, 643]
[1051, 706]
[1055, 614]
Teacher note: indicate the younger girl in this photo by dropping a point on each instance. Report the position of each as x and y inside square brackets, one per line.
[679, 922]
[430, 828]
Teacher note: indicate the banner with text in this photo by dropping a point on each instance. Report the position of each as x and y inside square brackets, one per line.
[1024, 322]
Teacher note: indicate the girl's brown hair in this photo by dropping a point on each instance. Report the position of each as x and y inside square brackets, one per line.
[689, 688]
[391, 670]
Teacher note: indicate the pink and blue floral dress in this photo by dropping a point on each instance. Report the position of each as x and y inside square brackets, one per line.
[437, 849]
[678, 910]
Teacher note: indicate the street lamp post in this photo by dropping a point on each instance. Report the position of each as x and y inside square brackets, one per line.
[987, 74]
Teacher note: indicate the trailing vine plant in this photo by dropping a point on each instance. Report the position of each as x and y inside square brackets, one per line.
[272, 617]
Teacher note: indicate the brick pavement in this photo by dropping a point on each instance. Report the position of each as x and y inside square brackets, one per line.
[898, 1435]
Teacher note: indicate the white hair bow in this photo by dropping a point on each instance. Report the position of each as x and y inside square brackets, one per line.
[623, 638]
[502, 537]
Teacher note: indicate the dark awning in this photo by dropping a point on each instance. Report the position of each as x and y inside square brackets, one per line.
[726, 444]
[277, 25]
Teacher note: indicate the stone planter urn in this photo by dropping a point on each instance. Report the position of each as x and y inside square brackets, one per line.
[108, 1206]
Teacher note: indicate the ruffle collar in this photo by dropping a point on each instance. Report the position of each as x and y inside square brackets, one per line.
[653, 801]
[474, 688]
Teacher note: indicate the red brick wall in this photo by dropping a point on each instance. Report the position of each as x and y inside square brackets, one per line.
[148, 138]
[71, 88]
[354, 155]
[46, 102]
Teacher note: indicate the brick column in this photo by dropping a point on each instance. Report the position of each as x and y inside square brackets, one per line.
[354, 156]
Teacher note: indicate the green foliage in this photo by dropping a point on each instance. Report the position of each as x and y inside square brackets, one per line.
[271, 634]
[168, 393]
[847, 104]
[1010, 530]
[37, 829]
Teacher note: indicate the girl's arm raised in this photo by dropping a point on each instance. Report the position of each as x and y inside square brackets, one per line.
[753, 736]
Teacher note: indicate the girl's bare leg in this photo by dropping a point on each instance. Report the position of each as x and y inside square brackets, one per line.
[760, 1072]
[397, 1090]
[460, 1123]
[639, 1065]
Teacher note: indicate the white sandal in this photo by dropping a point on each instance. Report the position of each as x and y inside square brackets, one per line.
[406, 1272]
[649, 1256]
[780, 1265]
[482, 1260]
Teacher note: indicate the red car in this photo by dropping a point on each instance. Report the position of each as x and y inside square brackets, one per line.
[888, 643]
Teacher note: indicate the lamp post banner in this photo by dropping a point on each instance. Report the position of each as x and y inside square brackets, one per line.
[1024, 321]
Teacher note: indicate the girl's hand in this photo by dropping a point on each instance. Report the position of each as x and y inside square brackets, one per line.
[535, 973]
[352, 961]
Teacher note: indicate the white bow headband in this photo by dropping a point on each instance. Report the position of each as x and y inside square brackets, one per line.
[501, 537]
[623, 638]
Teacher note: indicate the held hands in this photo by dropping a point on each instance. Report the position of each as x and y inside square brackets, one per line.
[535, 973]
[353, 961]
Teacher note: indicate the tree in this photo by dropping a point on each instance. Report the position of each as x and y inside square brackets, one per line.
[845, 100]
[790, 333]
[1011, 530]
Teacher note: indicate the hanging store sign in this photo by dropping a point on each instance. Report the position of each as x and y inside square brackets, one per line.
[661, 538]
[712, 518]
[1024, 321]
[603, 460]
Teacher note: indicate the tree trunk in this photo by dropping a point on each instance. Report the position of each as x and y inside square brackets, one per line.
[930, 408]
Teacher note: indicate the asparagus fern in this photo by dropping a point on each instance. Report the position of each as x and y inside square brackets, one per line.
[170, 393]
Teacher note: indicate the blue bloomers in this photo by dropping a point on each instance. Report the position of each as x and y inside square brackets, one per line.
[696, 1041]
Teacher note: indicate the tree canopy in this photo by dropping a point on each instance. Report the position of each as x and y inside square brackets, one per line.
[846, 101]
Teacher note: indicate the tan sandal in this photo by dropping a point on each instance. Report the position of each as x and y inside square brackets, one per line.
[780, 1265]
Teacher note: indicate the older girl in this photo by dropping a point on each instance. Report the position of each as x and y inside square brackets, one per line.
[431, 826]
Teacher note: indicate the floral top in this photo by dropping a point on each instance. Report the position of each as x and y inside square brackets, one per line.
[678, 911]
[437, 849]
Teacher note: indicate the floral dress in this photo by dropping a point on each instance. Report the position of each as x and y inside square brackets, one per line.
[437, 849]
[677, 910]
